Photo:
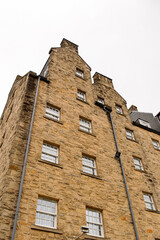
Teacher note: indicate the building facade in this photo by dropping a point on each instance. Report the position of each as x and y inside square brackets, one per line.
[73, 155]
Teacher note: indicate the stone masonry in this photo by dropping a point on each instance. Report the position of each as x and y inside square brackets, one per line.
[65, 182]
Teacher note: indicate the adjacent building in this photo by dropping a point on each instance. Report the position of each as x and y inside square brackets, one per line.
[73, 155]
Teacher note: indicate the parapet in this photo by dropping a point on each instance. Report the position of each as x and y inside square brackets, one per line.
[67, 44]
[101, 79]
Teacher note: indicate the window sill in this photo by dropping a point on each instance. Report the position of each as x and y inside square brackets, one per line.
[122, 114]
[86, 132]
[91, 175]
[50, 163]
[46, 229]
[140, 170]
[132, 140]
[153, 211]
[82, 101]
[54, 120]
[157, 149]
[93, 237]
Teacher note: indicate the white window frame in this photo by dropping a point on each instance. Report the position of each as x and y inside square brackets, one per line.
[130, 134]
[156, 144]
[83, 125]
[138, 163]
[119, 109]
[149, 201]
[81, 95]
[89, 165]
[79, 73]
[50, 153]
[100, 100]
[144, 123]
[46, 209]
[52, 112]
[93, 221]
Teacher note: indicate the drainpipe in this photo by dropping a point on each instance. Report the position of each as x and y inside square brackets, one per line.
[25, 161]
[118, 155]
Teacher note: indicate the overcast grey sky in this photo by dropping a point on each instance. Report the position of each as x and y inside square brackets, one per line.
[118, 38]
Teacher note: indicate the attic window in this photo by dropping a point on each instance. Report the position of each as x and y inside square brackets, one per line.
[144, 123]
[79, 73]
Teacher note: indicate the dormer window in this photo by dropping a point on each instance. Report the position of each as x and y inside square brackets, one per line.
[79, 73]
[144, 123]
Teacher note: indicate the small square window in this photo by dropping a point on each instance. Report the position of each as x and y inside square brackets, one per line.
[144, 123]
[94, 222]
[89, 165]
[46, 213]
[53, 112]
[149, 201]
[156, 144]
[79, 73]
[100, 100]
[81, 95]
[85, 125]
[49, 153]
[138, 163]
[119, 109]
[130, 134]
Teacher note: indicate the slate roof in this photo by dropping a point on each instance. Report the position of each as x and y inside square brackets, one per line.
[148, 117]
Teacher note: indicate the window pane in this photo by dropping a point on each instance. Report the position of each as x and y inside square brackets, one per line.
[85, 125]
[52, 112]
[89, 165]
[94, 222]
[46, 213]
[81, 95]
[49, 153]
[100, 100]
[149, 201]
[79, 73]
[119, 109]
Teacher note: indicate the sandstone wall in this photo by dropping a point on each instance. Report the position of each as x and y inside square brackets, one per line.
[14, 127]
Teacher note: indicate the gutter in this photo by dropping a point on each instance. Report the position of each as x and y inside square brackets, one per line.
[25, 160]
[118, 155]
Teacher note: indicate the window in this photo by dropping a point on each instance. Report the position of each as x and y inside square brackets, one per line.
[130, 134]
[81, 95]
[89, 165]
[79, 73]
[138, 163]
[53, 112]
[156, 144]
[49, 153]
[119, 109]
[94, 222]
[46, 213]
[45, 72]
[100, 100]
[149, 201]
[85, 125]
[144, 123]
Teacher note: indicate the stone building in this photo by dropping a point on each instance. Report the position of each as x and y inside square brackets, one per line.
[73, 155]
